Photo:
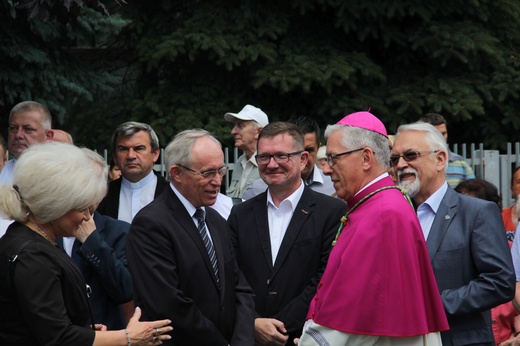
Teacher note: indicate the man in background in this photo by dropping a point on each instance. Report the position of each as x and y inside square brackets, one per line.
[247, 125]
[29, 123]
[62, 136]
[458, 169]
[4, 153]
[135, 149]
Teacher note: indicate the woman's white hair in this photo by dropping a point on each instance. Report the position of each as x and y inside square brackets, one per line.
[51, 179]
[356, 137]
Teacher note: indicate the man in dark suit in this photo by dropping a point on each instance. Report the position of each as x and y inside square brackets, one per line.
[135, 149]
[182, 263]
[99, 253]
[283, 236]
[465, 237]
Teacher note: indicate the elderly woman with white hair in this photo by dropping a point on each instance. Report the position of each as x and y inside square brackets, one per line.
[43, 296]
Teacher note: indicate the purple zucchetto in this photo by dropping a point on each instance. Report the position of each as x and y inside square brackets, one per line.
[364, 120]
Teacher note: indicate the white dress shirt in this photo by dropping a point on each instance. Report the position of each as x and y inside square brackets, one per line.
[280, 217]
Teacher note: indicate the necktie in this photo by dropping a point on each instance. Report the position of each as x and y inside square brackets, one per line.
[199, 215]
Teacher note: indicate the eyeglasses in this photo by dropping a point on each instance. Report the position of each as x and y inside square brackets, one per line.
[263, 159]
[331, 158]
[409, 156]
[210, 174]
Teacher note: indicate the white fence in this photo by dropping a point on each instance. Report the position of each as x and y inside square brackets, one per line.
[493, 166]
[487, 164]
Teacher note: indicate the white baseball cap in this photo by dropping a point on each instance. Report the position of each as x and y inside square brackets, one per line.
[249, 113]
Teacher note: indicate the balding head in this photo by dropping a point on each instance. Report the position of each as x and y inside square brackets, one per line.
[62, 137]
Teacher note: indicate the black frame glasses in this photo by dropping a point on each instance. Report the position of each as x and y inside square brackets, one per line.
[210, 174]
[330, 158]
[409, 156]
[264, 159]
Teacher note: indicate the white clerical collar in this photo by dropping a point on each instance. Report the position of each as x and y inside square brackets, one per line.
[141, 183]
[294, 198]
[384, 175]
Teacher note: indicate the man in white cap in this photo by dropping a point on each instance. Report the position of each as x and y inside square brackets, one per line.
[248, 124]
[378, 287]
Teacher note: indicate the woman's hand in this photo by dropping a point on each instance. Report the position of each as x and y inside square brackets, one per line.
[147, 333]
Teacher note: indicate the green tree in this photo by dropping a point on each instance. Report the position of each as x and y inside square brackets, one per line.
[401, 59]
[180, 64]
[56, 53]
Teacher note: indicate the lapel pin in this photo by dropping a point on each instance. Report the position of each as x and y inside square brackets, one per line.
[447, 217]
[305, 211]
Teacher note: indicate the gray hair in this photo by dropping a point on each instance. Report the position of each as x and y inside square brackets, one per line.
[434, 137]
[50, 179]
[356, 137]
[132, 127]
[29, 106]
[178, 151]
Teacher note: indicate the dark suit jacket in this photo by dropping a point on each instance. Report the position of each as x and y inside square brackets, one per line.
[110, 204]
[104, 267]
[284, 291]
[472, 264]
[173, 277]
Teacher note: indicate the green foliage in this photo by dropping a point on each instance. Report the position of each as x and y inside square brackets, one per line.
[181, 64]
[55, 60]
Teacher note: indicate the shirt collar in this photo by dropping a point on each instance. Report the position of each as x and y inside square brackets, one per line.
[293, 199]
[315, 178]
[141, 183]
[251, 159]
[187, 204]
[434, 201]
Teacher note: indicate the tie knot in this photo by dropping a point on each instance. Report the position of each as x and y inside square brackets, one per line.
[199, 214]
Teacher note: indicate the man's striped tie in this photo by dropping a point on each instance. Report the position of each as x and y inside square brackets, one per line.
[199, 215]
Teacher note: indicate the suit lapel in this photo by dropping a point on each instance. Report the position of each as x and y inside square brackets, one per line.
[161, 184]
[262, 228]
[301, 213]
[112, 199]
[445, 213]
[186, 222]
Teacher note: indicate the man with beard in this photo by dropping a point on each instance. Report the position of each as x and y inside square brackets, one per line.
[465, 237]
[29, 123]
